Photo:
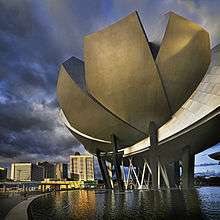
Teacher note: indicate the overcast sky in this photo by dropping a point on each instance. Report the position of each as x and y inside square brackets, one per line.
[35, 37]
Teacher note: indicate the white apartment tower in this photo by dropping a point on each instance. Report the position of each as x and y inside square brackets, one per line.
[82, 167]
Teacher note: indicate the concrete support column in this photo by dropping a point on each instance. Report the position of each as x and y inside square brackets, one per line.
[155, 169]
[104, 170]
[176, 165]
[173, 172]
[188, 168]
[117, 163]
[155, 172]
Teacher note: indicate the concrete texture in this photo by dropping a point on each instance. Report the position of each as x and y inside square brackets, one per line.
[85, 115]
[183, 59]
[188, 160]
[19, 212]
[127, 83]
[121, 74]
[203, 102]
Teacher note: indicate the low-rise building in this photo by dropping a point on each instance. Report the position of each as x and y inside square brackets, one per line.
[25, 171]
[50, 185]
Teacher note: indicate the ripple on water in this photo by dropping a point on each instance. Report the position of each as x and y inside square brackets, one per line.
[200, 203]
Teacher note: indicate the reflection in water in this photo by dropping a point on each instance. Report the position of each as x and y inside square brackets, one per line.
[210, 201]
[201, 203]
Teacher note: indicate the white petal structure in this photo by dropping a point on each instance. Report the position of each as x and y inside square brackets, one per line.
[202, 107]
[126, 82]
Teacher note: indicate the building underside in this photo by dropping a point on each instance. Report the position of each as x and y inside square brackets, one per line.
[150, 106]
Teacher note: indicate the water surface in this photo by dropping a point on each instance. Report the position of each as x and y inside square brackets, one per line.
[200, 203]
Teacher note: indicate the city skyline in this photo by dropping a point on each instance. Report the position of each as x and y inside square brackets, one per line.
[36, 39]
[55, 170]
[205, 167]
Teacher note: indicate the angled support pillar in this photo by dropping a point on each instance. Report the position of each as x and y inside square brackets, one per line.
[148, 180]
[188, 160]
[143, 175]
[146, 172]
[129, 173]
[117, 163]
[149, 174]
[104, 170]
[123, 172]
[154, 160]
[136, 177]
[164, 174]
[109, 168]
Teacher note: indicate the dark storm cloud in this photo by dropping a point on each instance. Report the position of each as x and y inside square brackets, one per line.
[8, 151]
[35, 37]
[30, 128]
[33, 129]
[11, 15]
[22, 116]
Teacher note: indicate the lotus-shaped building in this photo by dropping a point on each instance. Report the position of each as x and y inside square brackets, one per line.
[147, 100]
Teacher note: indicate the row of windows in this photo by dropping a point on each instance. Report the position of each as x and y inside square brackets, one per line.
[83, 167]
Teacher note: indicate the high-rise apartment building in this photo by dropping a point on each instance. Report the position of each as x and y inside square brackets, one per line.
[49, 169]
[61, 171]
[82, 167]
[26, 172]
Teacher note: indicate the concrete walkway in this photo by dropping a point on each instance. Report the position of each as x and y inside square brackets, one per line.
[19, 212]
